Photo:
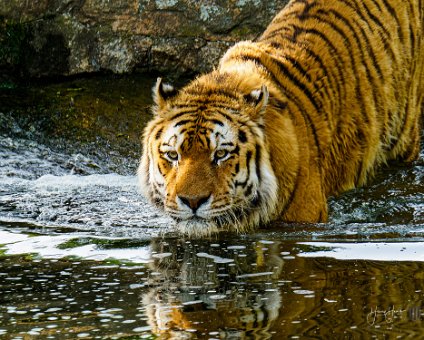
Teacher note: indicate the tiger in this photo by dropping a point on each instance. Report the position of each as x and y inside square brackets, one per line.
[330, 92]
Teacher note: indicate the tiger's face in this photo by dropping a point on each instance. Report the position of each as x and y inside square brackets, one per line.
[205, 162]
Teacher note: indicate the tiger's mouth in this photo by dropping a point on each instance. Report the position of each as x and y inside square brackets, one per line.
[230, 219]
[197, 226]
[193, 219]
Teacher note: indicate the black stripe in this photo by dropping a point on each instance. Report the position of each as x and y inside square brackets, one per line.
[160, 170]
[184, 121]
[241, 184]
[376, 4]
[158, 133]
[412, 36]
[281, 32]
[248, 190]
[225, 115]
[305, 12]
[190, 110]
[227, 144]
[248, 158]
[217, 122]
[258, 162]
[242, 136]
[412, 30]
[279, 104]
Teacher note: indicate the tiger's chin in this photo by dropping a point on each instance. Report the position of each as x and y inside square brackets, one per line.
[236, 220]
[197, 227]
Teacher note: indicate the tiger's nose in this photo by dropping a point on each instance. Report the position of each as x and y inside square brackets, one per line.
[194, 202]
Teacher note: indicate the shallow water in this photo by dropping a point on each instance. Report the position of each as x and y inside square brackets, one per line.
[82, 255]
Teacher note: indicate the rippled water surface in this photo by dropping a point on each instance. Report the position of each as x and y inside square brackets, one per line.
[82, 255]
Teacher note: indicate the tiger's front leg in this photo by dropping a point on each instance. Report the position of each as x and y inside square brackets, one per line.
[308, 202]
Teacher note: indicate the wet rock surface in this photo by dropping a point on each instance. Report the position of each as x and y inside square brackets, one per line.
[65, 37]
[96, 121]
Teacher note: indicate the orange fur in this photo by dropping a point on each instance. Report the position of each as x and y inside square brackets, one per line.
[330, 92]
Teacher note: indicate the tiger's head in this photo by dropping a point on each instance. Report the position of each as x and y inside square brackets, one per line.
[205, 160]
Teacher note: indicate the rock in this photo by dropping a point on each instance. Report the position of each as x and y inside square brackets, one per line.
[67, 37]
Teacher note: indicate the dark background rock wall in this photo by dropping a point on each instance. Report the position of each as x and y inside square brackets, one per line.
[67, 37]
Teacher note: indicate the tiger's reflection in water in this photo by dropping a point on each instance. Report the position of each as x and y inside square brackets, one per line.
[196, 293]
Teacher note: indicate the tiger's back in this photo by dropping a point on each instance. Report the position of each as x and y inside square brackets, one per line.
[355, 72]
[331, 91]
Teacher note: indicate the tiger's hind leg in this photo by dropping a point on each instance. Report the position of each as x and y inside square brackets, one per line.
[412, 151]
[407, 146]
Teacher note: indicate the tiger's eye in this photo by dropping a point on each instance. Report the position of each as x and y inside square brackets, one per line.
[172, 155]
[219, 154]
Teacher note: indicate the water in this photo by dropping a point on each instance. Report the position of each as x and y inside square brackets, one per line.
[82, 255]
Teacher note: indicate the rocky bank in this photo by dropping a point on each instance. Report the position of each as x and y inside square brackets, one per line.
[67, 37]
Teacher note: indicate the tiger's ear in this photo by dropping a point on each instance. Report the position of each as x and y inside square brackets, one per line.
[162, 92]
[258, 99]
